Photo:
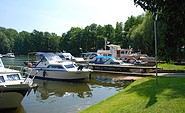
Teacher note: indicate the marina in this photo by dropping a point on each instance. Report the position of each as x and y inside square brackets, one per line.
[67, 97]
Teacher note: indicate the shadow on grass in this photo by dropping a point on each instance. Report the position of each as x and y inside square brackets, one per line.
[170, 87]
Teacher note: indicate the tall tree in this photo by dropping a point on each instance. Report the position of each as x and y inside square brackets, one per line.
[171, 12]
[4, 43]
[119, 35]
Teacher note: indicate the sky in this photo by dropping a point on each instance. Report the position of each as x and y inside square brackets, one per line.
[58, 16]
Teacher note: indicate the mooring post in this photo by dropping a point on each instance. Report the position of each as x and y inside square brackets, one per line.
[155, 34]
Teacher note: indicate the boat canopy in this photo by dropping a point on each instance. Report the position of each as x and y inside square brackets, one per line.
[49, 56]
[44, 54]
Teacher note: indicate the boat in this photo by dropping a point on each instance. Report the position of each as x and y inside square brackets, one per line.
[108, 60]
[13, 87]
[68, 56]
[9, 55]
[125, 55]
[51, 66]
[89, 57]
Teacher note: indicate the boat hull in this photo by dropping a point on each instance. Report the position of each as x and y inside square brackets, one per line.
[11, 97]
[61, 75]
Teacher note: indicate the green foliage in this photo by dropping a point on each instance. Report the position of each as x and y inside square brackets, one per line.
[171, 15]
[4, 43]
[171, 66]
[141, 36]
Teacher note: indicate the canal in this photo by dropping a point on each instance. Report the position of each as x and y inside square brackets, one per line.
[66, 97]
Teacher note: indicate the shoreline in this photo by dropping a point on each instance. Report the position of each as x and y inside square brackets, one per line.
[144, 95]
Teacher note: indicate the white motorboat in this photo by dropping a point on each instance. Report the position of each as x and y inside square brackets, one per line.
[51, 66]
[68, 56]
[13, 87]
[9, 55]
[107, 60]
[90, 57]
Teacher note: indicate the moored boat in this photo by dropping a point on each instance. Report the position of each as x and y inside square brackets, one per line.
[51, 66]
[13, 87]
[107, 60]
[9, 55]
[68, 56]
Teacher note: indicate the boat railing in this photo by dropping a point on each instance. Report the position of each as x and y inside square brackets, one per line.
[28, 75]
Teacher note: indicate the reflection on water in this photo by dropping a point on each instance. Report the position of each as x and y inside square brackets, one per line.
[19, 109]
[66, 97]
[61, 88]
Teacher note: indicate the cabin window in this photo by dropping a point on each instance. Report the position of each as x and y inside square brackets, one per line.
[44, 59]
[2, 79]
[69, 66]
[122, 52]
[98, 60]
[105, 59]
[55, 66]
[13, 77]
[1, 64]
[61, 56]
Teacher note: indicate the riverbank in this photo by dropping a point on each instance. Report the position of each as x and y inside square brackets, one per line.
[144, 95]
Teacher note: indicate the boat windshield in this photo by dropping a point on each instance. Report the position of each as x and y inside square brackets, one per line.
[1, 63]
[54, 58]
[2, 79]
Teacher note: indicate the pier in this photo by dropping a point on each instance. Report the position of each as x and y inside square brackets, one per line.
[122, 68]
[133, 72]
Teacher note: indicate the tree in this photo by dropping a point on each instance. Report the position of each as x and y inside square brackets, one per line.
[4, 43]
[119, 35]
[129, 26]
[170, 12]
[141, 35]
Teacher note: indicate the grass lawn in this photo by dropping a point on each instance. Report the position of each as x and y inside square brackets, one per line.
[171, 66]
[145, 96]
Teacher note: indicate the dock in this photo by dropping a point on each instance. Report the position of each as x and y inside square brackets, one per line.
[121, 68]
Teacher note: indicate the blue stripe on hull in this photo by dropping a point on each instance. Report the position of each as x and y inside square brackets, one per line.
[50, 70]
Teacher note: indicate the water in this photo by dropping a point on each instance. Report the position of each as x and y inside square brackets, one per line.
[66, 97]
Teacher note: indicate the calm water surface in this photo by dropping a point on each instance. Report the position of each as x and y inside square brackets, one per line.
[66, 97]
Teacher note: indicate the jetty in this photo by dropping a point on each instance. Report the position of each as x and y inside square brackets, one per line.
[132, 72]
[121, 68]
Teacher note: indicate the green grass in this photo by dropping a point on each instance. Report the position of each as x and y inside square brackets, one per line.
[145, 96]
[171, 66]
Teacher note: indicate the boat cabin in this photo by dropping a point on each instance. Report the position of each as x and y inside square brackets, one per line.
[43, 59]
[7, 76]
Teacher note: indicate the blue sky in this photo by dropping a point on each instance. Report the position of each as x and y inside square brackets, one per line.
[58, 16]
